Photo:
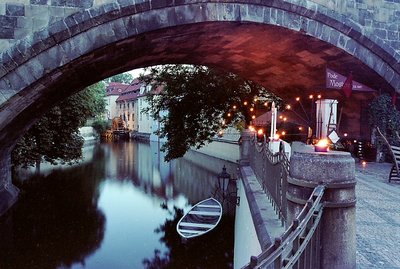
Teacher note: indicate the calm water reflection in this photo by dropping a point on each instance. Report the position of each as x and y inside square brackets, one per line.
[118, 209]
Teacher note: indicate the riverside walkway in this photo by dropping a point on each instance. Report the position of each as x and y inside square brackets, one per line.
[378, 218]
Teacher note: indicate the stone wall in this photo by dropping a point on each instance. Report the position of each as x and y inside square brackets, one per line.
[379, 20]
[21, 18]
[222, 149]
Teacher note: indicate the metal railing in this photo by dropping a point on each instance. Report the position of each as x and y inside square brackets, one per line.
[271, 170]
[299, 245]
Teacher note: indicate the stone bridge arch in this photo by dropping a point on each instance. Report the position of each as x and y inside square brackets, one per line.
[282, 45]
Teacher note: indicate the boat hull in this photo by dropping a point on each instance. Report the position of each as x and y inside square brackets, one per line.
[200, 219]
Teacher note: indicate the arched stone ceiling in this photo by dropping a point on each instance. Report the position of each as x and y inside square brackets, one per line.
[279, 53]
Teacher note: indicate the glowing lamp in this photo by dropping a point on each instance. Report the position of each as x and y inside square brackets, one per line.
[300, 128]
[251, 128]
[245, 103]
[345, 134]
[364, 163]
[321, 146]
[297, 99]
[229, 114]
[288, 107]
[253, 117]
[260, 135]
[251, 109]
[311, 96]
[319, 96]
[276, 137]
[283, 132]
[234, 107]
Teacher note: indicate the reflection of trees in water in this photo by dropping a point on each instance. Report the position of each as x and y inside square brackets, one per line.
[212, 250]
[56, 222]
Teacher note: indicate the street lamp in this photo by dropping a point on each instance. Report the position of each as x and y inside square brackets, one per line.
[223, 180]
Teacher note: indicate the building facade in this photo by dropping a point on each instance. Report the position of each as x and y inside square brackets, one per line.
[113, 91]
[125, 104]
[128, 103]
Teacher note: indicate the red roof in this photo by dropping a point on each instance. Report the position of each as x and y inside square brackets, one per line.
[128, 92]
[117, 88]
[128, 96]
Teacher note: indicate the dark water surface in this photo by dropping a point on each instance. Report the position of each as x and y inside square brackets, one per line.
[116, 210]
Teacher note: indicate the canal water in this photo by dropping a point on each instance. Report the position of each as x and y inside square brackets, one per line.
[117, 209]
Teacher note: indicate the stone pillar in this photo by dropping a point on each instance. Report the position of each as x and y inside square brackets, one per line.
[336, 170]
[244, 147]
[8, 192]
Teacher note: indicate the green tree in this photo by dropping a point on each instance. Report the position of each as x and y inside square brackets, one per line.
[55, 137]
[383, 114]
[122, 78]
[200, 102]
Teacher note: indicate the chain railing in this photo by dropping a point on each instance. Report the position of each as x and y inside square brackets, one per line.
[271, 170]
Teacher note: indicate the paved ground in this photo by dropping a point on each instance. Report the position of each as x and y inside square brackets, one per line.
[378, 218]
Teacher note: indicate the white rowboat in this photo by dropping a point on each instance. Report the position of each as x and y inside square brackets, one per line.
[201, 218]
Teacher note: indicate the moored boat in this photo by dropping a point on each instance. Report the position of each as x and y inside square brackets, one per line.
[200, 219]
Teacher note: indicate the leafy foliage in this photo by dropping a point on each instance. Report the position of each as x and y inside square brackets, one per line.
[101, 125]
[198, 100]
[383, 114]
[55, 137]
[122, 78]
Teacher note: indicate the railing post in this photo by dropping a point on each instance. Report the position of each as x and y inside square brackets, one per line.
[253, 262]
[336, 170]
[278, 261]
[244, 147]
[8, 192]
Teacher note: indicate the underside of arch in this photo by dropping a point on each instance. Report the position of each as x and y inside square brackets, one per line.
[280, 45]
[240, 38]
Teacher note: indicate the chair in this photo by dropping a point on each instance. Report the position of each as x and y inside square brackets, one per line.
[395, 151]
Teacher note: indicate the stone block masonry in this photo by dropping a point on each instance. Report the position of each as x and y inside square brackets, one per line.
[19, 19]
[378, 20]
